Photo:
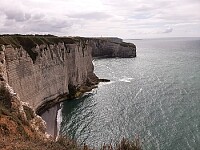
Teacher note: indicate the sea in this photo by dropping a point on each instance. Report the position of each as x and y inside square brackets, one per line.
[154, 97]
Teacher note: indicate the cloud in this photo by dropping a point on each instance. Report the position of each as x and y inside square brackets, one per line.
[126, 19]
[91, 16]
[13, 11]
[38, 16]
[17, 15]
[51, 25]
[168, 30]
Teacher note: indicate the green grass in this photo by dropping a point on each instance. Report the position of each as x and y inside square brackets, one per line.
[28, 42]
[5, 97]
[4, 129]
[63, 143]
[29, 113]
[127, 44]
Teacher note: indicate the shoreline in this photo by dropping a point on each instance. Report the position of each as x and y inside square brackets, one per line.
[52, 108]
[74, 94]
[50, 117]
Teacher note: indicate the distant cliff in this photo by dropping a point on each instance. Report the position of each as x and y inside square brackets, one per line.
[44, 69]
[110, 47]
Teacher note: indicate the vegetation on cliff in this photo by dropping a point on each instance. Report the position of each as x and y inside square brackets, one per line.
[20, 126]
[17, 132]
[28, 42]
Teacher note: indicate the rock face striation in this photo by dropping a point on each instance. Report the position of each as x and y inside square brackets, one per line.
[112, 47]
[43, 69]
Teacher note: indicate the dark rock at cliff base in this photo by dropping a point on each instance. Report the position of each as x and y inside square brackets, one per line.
[104, 80]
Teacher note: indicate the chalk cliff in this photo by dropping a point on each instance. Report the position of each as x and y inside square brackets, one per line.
[111, 47]
[105, 48]
[43, 69]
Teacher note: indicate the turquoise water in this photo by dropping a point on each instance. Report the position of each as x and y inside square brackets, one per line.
[155, 96]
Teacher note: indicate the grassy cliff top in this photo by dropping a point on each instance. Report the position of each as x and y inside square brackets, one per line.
[32, 40]
[28, 42]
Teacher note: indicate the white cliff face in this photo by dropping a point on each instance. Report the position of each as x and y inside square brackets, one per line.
[3, 72]
[37, 70]
[47, 77]
[12, 102]
[112, 47]
[44, 69]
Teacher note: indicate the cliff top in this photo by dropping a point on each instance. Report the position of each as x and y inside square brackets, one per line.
[17, 40]
[28, 42]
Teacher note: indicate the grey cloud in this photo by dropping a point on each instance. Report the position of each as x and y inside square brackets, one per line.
[39, 24]
[143, 7]
[168, 30]
[23, 19]
[38, 16]
[17, 15]
[127, 17]
[91, 16]
[48, 25]
[8, 23]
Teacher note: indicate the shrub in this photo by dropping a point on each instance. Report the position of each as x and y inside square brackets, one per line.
[5, 96]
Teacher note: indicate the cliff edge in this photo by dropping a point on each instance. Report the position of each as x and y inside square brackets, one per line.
[44, 69]
[39, 71]
[110, 47]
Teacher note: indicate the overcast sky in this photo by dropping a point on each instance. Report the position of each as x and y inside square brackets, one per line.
[122, 18]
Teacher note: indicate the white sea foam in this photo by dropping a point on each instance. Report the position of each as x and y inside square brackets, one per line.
[137, 93]
[59, 120]
[105, 83]
[126, 79]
